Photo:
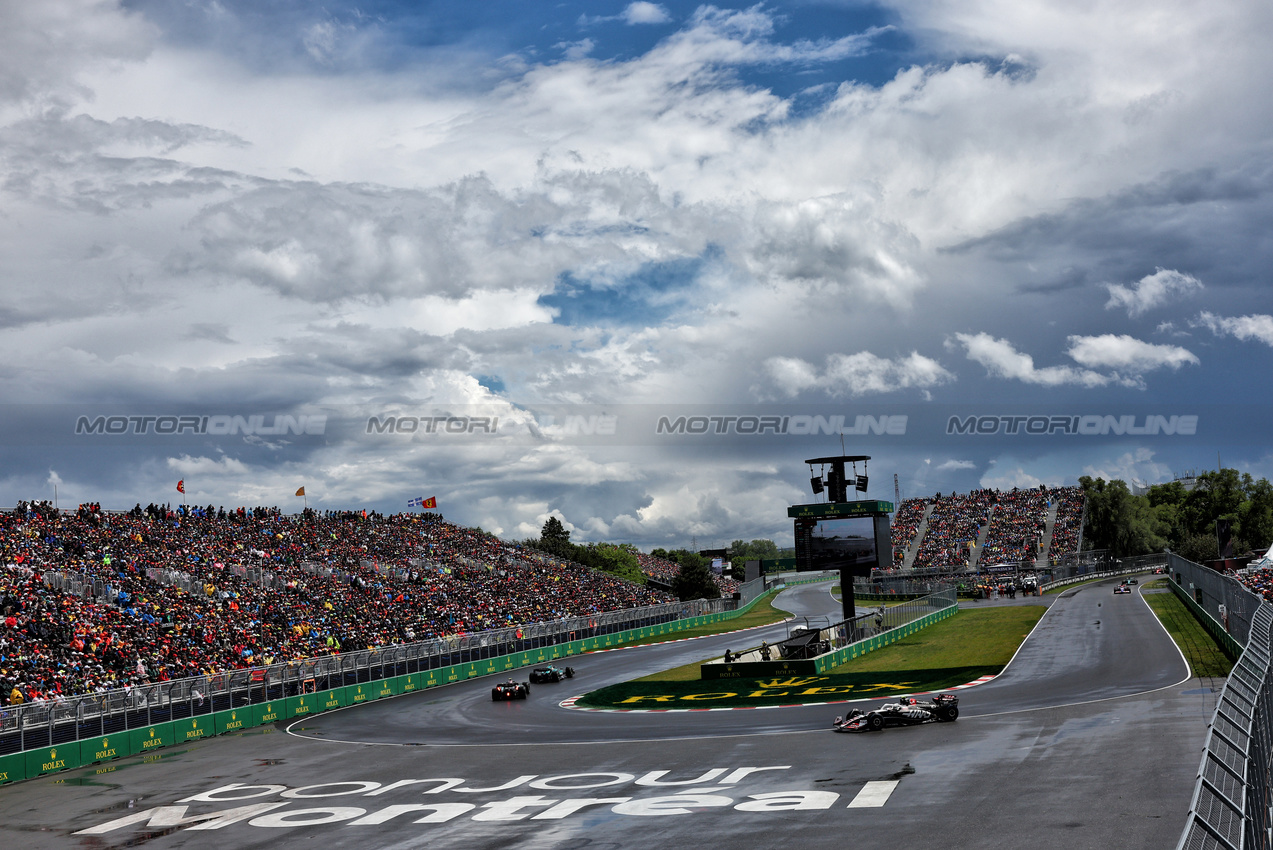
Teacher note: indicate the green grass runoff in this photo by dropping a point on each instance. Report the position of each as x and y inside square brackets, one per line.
[955, 651]
[1204, 655]
[981, 638]
[975, 637]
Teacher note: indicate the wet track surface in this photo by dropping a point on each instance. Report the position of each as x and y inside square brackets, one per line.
[1090, 738]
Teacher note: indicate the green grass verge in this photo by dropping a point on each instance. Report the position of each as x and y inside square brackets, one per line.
[952, 652]
[1206, 658]
[761, 614]
[975, 637]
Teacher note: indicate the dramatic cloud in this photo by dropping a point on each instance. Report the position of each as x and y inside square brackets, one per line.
[857, 374]
[1002, 360]
[1129, 358]
[642, 12]
[1258, 327]
[270, 208]
[1152, 291]
[952, 465]
[1126, 354]
[1134, 467]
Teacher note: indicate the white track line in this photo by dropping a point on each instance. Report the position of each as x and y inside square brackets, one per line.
[874, 795]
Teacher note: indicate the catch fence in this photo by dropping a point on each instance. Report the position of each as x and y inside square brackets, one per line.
[1230, 806]
[56, 722]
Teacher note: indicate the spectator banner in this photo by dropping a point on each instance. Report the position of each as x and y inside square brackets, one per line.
[52, 759]
[13, 768]
[151, 738]
[105, 748]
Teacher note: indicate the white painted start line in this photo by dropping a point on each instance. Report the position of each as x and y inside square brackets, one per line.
[873, 795]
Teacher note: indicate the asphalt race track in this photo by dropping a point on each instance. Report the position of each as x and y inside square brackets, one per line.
[1090, 739]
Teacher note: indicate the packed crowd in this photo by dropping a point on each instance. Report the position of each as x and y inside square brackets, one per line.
[665, 570]
[162, 593]
[905, 526]
[1067, 530]
[1017, 526]
[1258, 581]
[954, 524]
[1016, 520]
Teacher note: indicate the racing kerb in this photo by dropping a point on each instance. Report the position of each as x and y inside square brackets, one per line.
[1230, 808]
[47, 737]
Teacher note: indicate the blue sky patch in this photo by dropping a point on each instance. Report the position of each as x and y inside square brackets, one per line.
[648, 297]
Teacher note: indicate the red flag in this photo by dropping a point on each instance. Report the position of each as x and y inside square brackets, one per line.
[181, 486]
[431, 502]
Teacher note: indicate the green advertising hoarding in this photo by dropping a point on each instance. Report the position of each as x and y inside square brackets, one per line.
[151, 737]
[52, 759]
[13, 768]
[106, 748]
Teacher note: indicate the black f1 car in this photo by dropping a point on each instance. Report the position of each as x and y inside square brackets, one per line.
[551, 673]
[510, 690]
[905, 712]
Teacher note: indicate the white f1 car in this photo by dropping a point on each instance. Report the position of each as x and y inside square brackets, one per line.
[906, 712]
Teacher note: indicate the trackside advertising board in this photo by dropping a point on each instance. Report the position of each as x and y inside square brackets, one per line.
[32, 763]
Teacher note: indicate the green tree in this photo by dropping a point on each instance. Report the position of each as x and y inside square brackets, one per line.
[1255, 515]
[555, 538]
[756, 550]
[618, 560]
[695, 580]
[1120, 522]
[1198, 548]
[1218, 494]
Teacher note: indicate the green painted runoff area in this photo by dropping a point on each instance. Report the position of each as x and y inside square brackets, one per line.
[943, 652]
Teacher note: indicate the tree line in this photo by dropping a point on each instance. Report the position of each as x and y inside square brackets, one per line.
[1183, 520]
[694, 581]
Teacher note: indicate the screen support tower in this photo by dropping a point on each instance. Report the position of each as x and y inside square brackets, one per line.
[837, 487]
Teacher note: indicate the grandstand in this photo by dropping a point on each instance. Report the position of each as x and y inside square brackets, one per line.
[665, 571]
[953, 533]
[92, 601]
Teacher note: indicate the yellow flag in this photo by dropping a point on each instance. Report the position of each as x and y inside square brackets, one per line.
[300, 492]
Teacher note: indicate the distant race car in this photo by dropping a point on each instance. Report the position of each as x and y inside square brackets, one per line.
[906, 712]
[1123, 588]
[510, 690]
[1132, 580]
[551, 673]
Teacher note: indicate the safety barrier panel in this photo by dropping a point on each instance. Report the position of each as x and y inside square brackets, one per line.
[1230, 806]
[103, 727]
[944, 604]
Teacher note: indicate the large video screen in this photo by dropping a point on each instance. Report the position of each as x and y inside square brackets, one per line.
[842, 543]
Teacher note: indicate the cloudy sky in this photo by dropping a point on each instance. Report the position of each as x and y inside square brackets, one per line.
[568, 221]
